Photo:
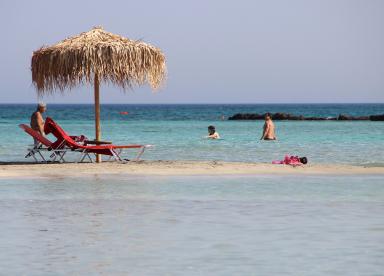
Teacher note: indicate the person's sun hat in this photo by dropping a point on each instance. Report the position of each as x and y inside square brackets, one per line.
[41, 104]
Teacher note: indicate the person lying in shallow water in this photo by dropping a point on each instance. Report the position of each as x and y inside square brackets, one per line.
[292, 160]
[212, 134]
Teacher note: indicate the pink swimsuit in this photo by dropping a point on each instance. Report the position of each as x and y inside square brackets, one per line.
[289, 160]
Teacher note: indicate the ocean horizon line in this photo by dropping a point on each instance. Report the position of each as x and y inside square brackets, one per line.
[152, 104]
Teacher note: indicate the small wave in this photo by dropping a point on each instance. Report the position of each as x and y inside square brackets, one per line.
[151, 131]
[371, 164]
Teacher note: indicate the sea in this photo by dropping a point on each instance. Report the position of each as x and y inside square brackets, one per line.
[203, 224]
[177, 131]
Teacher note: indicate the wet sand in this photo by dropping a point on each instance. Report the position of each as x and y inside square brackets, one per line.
[14, 170]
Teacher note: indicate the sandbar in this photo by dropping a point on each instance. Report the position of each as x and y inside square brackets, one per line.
[30, 170]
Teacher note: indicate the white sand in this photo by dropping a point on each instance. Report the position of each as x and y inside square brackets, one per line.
[14, 170]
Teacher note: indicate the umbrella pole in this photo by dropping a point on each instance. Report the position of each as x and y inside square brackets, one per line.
[97, 114]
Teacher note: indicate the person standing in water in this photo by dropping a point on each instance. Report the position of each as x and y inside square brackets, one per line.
[268, 129]
[37, 121]
[212, 133]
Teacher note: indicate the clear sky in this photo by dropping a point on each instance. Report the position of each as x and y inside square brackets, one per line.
[217, 51]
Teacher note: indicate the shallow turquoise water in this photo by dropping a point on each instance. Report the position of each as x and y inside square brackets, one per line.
[177, 131]
[200, 225]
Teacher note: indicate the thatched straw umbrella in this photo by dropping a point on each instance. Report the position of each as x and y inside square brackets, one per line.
[93, 57]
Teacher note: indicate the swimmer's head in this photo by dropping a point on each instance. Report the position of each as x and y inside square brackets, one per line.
[211, 129]
[267, 116]
[303, 160]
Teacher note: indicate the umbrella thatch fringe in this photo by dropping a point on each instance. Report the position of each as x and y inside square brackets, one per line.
[113, 58]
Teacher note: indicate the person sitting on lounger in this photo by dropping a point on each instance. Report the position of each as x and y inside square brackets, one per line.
[212, 134]
[268, 129]
[37, 121]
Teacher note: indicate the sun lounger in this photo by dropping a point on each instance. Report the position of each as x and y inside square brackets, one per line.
[114, 151]
[42, 144]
